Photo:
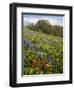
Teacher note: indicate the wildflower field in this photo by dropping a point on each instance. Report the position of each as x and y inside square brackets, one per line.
[43, 53]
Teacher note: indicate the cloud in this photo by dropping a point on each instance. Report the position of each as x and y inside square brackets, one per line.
[54, 20]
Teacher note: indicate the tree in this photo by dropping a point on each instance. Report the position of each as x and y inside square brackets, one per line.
[44, 26]
[57, 30]
[31, 26]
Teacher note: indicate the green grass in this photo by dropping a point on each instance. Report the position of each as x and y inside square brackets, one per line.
[45, 56]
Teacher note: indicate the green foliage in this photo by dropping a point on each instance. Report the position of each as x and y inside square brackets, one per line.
[43, 26]
[46, 27]
[45, 56]
[57, 30]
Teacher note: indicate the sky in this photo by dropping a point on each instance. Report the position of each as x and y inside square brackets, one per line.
[53, 19]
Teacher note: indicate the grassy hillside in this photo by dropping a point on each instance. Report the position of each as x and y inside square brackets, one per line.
[43, 53]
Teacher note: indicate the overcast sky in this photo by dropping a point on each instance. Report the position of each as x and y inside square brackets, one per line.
[53, 19]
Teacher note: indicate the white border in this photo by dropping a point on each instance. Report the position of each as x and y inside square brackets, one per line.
[50, 77]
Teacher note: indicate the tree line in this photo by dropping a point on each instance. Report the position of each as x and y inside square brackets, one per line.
[46, 27]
